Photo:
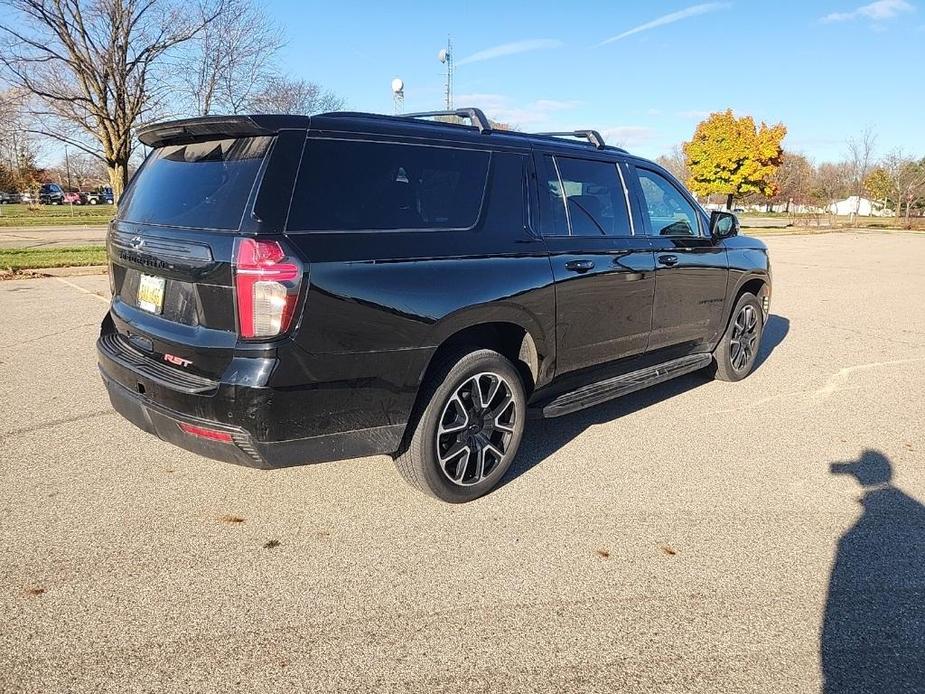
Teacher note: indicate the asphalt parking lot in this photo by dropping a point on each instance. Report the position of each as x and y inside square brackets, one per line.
[689, 538]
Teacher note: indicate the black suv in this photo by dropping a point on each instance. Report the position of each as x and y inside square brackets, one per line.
[51, 194]
[290, 290]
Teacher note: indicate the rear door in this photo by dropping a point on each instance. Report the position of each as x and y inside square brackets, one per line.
[691, 269]
[172, 245]
[604, 274]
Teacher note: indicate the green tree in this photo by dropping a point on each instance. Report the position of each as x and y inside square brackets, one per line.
[733, 156]
[880, 186]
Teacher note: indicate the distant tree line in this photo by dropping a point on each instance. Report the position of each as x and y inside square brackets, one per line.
[735, 160]
[88, 72]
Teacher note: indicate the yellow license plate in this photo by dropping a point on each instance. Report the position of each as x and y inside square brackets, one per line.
[151, 293]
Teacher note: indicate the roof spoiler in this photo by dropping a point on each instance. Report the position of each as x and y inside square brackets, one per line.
[178, 132]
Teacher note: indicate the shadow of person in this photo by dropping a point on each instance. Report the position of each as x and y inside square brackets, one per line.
[873, 632]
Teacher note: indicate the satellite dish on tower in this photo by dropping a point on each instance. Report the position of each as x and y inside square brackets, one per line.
[398, 95]
[445, 56]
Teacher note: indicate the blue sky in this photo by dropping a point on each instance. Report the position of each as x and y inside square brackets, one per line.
[644, 73]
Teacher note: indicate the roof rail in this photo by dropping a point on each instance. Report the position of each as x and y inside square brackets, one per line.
[474, 115]
[592, 136]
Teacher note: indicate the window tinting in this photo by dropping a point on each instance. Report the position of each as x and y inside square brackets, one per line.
[670, 214]
[204, 185]
[352, 186]
[552, 202]
[593, 192]
[596, 201]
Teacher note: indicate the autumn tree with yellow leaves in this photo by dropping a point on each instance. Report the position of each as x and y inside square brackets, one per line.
[732, 156]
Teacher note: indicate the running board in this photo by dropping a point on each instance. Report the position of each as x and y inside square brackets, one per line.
[596, 393]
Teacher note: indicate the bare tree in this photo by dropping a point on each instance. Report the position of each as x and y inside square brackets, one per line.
[19, 148]
[81, 171]
[860, 159]
[282, 95]
[10, 127]
[231, 60]
[95, 68]
[830, 183]
[676, 163]
[793, 179]
[906, 177]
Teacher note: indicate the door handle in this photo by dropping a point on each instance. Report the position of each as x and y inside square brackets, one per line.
[579, 265]
[668, 260]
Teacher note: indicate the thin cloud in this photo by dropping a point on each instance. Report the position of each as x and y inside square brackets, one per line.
[879, 11]
[692, 11]
[627, 135]
[693, 114]
[531, 115]
[513, 48]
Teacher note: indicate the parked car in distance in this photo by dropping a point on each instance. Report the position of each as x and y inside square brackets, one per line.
[98, 196]
[293, 289]
[8, 198]
[51, 194]
[72, 198]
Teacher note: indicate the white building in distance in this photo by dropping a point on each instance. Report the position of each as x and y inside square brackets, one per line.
[867, 208]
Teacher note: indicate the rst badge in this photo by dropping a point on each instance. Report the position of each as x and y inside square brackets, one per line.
[172, 359]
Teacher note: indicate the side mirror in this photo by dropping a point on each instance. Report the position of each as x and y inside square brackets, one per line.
[723, 224]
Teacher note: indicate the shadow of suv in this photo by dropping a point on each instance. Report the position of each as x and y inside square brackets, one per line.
[293, 289]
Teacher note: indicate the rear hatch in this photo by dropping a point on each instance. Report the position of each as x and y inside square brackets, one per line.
[183, 223]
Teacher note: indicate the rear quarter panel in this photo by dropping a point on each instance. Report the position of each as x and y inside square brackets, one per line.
[380, 303]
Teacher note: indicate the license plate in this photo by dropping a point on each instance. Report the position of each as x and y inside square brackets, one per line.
[151, 293]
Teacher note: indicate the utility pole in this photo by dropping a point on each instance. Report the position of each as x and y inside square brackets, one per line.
[445, 56]
[67, 165]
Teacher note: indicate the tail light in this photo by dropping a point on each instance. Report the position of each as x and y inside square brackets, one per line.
[266, 285]
[204, 433]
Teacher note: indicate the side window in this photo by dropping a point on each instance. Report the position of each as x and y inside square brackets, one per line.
[595, 197]
[346, 185]
[552, 202]
[670, 214]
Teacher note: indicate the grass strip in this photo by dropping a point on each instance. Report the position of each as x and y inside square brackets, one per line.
[16, 259]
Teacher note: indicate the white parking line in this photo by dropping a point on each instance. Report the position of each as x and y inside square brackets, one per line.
[81, 289]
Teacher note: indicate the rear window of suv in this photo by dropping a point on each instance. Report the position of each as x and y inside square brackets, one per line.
[204, 185]
[347, 185]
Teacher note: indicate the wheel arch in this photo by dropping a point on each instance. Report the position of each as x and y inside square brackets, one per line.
[755, 283]
[509, 338]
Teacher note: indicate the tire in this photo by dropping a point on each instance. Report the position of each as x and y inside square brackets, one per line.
[92, 201]
[448, 417]
[729, 363]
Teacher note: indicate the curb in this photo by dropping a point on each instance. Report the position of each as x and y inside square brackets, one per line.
[32, 273]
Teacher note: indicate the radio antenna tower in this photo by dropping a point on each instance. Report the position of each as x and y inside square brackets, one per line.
[398, 96]
[445, 56]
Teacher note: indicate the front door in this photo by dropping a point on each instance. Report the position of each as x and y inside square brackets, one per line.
[691, 268]
[605, 280]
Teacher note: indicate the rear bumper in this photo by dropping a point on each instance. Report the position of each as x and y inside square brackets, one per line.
[156, 413]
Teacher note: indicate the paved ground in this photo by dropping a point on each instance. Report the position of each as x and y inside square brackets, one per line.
[687, 539]
[33, 237]
[764, 222]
